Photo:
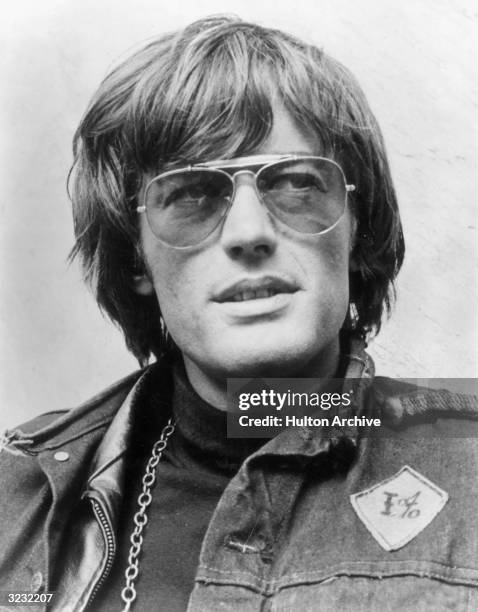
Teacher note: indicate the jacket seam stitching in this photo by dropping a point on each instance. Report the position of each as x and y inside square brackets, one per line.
[348, 569]
[84, 432]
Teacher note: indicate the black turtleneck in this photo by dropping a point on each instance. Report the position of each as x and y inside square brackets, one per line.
[196, 467]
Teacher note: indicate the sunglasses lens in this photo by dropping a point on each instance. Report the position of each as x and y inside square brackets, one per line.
[184, 207]
[306, 194]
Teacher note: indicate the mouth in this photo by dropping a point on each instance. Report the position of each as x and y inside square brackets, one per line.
[253, 295]
[249, 289]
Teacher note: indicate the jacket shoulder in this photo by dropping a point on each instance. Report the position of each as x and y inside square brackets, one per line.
[404, 403]
[98, 410]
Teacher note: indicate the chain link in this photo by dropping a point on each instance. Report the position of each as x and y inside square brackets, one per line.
[128, 593]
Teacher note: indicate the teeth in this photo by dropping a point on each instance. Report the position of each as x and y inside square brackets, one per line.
[253, 295]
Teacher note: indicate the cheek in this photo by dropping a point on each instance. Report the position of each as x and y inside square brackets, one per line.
[180, 292]
[164, 274]
[326, 268]
[325, 263]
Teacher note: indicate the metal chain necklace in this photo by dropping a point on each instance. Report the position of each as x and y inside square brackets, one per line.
[128, 593]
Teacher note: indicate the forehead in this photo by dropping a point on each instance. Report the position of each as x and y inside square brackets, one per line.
[287, 136]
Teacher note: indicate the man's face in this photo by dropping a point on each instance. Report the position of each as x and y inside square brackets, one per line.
[295, 331]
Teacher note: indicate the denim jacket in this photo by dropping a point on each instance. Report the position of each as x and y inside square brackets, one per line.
[314, 520]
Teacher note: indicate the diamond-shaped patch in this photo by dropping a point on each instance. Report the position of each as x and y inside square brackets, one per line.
[396, 510]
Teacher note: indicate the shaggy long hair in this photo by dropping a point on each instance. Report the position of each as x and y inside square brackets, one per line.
[205, 92]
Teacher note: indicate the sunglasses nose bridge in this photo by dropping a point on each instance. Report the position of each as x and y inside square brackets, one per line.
[235, 181]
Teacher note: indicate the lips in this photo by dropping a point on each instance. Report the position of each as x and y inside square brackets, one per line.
[255, 288]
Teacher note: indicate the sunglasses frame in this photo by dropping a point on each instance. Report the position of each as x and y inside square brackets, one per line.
[244, 163]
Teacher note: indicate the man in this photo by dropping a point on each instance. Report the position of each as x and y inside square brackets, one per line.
[235, 214]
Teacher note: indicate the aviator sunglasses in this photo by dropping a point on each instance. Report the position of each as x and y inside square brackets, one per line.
[304, 192]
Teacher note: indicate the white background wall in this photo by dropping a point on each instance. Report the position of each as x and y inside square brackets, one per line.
[416, 60]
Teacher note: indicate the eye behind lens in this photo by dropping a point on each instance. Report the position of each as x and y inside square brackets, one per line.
[307, 194]
[184, 207]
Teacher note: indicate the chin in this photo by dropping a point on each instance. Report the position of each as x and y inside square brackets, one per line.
[269, 357]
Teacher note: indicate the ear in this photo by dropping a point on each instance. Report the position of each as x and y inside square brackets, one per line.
[142, 285]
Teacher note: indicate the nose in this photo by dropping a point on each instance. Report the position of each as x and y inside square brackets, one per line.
[248, 230]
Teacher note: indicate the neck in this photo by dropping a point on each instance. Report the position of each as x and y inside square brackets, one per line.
[212, 386]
